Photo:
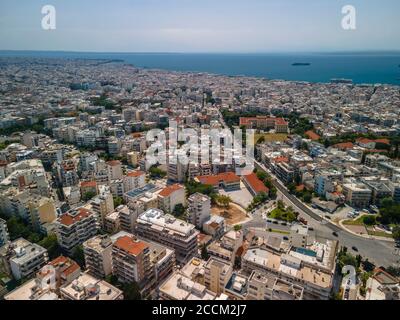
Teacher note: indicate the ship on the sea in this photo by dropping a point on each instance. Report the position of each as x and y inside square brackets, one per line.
[340, 80]
[301, 64]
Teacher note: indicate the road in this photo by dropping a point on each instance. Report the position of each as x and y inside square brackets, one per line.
[381, 253]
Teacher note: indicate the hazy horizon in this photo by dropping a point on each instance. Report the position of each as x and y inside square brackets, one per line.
[191, 26]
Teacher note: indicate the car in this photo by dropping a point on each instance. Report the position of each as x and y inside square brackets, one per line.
[284, 223]
[354, 248]
[311, 229]
[275, 222]
[286, 238]
[335, 234]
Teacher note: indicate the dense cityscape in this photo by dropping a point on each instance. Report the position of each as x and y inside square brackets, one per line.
[85, 214]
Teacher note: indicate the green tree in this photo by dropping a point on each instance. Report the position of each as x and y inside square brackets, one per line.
[131, 291]
[118, 201]
[396, 233]
[179, 210]
[78, 255]
[369, 220]
[51, 244]
[204, 253]
[88, 196]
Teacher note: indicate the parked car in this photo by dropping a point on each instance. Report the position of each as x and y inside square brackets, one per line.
[354, 248]
[335, 234]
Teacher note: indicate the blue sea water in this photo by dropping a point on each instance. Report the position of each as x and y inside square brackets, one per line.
[368, 68]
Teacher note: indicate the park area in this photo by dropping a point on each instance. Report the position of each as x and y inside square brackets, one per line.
[282, 213]
[233, 214]
[366, 225]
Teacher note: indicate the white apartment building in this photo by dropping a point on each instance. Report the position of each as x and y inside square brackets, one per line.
[26, 258]
[199, 208]
[169, 231]
[171, 196]
[134, 180]
[75, 227]
[357, 194]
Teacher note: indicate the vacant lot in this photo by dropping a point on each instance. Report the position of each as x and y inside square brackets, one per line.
[270, 137]
[233, 215]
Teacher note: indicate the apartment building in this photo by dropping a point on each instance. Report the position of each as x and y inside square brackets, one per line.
[165, 229]
[199, 208]
[134, 180]
[97, 251]
[266, 287]
[131, 260]
[180, 287]
[103, 204]
[86, 287]
[285, 172]
[357, 195]
[226, 247]
[316, 281]
[114, 170]
[75, 227]
[215, 226]
[24, 258]
[217, 275]
[170, 197]
[129, 214]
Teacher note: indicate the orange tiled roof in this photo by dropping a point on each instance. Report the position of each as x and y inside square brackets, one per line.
[88, 184]
[131, 246]
[67, 220]
[113, 163]
[344, 145]
[312, 135]
[256, 184]
[227, 177]
[135, 173]
[166, 192]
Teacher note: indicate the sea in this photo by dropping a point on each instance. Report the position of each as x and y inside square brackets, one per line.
[361, 67]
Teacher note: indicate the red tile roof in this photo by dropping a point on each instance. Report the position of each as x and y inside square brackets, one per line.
[344, 145]
[227, 177]
[166, 192]
[135, 173]
[88, 184]
[129, 245]
[281, 159]
[67, 219]
[312, 135]
[114, 163]
[256, 184]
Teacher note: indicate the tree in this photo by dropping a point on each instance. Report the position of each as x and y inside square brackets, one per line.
[307, 197]
[223, 201]
[237, 227]
[88, 196]
[78, 255]
[204, 253]
[179, 210]
[396, 233]
[369, 220]
[50, 243]
[131, 291]
[118, 201]
[262, 175]
[157, 173]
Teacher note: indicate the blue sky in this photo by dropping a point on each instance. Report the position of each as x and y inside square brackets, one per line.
[200, 25]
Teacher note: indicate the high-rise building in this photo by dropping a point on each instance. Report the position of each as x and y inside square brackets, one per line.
[75, 227]
[199, 208]
[169, 231]
[97, 251]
